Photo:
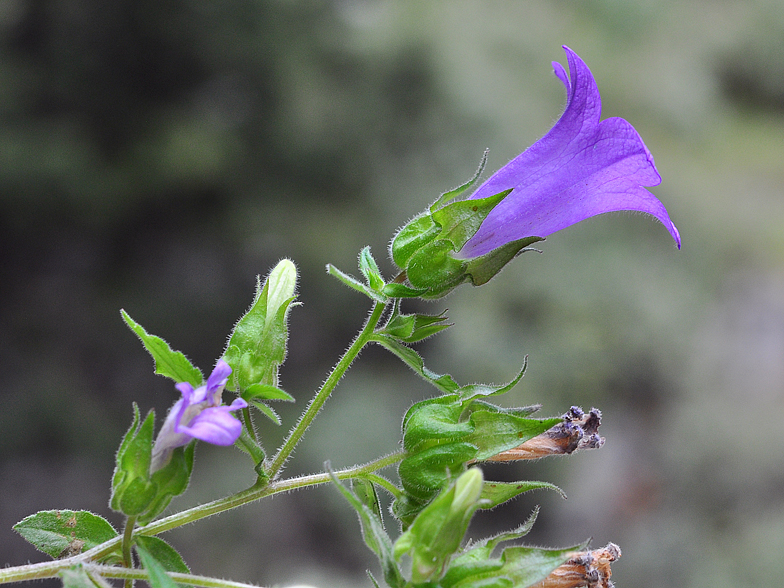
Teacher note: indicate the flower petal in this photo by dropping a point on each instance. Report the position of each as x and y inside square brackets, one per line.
[216, 424]
[580, 168]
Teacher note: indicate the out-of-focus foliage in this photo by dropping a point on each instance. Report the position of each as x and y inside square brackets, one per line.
[157, 156]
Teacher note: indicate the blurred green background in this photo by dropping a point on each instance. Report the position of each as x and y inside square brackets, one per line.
[157, 155]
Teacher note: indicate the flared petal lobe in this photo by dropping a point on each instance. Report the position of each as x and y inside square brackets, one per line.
[580, 168]
[199, 414]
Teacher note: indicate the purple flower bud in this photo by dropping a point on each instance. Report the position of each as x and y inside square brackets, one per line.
[199, 414]
[579, 169]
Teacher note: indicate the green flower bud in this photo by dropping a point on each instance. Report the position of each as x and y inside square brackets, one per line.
[436, 533]
[257, 346]
[427, 248]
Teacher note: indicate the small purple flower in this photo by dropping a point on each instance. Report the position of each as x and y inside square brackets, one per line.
[199, 414]
[579, 169]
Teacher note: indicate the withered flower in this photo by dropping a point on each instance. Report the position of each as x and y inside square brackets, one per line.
[579, 430]
[589, 569]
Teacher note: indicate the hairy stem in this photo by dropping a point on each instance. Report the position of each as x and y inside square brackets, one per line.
[326, 389]
[137, 574]
[50, 569]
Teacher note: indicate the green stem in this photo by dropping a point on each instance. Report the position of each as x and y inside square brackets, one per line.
[50, 569]
[137, 574]
[326, 389]
[255, 492]
[249, 424]
[260, 491]
[127, 538]
[384, 483]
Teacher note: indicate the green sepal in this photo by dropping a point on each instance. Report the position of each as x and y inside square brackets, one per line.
[158, 578]
[411, 328]
[494, 432]
[355, 284]
[63, 533]
[444, 382]
[257, 344]
[452, 194]
[495, 493]
[267, 411]
[525, 566]
[132, 490]
[459, 221]
[436, 533]
[397, 290]
[256, 393]
[413, 236]
[423, 229]
[477, 559]
[369, 269]
[426, 472]
[169, 481]
[472, 391]
[433, 422]
[483, 268]
[168, 363]
[521, 411]
[434, 269]
[77, 577]
[365, 490]
[373, 532]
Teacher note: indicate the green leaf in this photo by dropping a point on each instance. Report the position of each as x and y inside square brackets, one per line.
[373, 533]
[355, 284]
[62, 533]
[76, 577]
[168, 363]
[158, 576]
[496, 493]
[163, 553]
[412, 359]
